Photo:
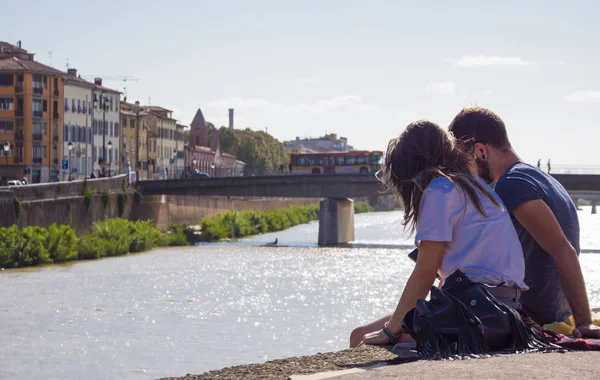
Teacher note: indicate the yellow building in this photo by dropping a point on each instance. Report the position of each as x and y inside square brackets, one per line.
[163, 143]
[134, 129]
[31, 100]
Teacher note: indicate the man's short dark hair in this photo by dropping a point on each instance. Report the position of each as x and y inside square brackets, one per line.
[476, 124]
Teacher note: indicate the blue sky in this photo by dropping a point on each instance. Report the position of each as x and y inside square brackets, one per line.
[361, 69]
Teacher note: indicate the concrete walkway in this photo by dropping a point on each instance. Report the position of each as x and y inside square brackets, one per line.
[572, 365]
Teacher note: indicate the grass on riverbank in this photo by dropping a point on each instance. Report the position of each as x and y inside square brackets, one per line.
[233, 224]
[33, 246]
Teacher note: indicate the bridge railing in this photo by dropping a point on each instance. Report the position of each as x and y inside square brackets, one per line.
[573, 169]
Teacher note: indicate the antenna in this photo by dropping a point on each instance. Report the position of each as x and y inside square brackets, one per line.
[67, 64]
[149, 100]
[50, 58]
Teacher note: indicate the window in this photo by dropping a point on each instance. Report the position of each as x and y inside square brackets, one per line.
[78, 105]
[124, 121]
[8, 154]
[44, 128]
[111, 129]
[44, 152]
[66, 105]
[111, 103]
[65, 133]
[6, 126]
[73, 107]
[83, 109]
[45, 105]
[131, 123]
[36, 126]
[6, 103]
[37, 151]
[6, 79]
[45, 80]
[54, 152]
[116, 129]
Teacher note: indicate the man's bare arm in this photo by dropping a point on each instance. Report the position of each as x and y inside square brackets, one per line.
[537, 218]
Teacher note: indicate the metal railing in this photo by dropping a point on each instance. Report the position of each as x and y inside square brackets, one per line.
[572, 169]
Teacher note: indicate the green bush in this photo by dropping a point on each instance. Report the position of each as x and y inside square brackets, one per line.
[233, 224]
[362, 207]
[33, 251]
[178, 236]
[62, 243]
[91, 247]
[145, 236]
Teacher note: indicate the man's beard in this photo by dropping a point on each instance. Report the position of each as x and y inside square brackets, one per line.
[483, 170]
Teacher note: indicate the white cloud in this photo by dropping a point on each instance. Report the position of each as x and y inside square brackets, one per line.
[490, 60]
[441, 88]
[308, 80]
[583, 97]
[352, 102]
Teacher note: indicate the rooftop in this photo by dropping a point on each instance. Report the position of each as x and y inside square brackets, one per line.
[19, 64]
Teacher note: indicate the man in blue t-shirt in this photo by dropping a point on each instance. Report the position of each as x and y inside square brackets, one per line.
[544, 217]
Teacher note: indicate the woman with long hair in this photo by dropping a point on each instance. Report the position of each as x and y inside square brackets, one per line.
[458, 221]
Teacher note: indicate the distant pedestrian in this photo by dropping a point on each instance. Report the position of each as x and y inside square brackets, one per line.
[290, 168]
[539, 165]
[549, 166]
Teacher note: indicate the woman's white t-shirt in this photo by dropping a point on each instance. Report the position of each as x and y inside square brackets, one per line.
[486, 249]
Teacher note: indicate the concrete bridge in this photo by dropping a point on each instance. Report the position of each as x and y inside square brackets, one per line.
[336, 220]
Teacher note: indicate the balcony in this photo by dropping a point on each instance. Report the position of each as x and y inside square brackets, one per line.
[19, 113]
[37, 160]
[37, 113]
[36, 137]
[19, 88]
[38, 90]
[18, 160]
[19, 136]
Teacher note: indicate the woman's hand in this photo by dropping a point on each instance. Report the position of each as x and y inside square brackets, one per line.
[376, 338]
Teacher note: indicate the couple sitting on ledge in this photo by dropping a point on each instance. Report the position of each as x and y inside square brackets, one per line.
[507, 258]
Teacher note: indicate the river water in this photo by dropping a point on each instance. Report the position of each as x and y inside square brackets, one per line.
[188, 310]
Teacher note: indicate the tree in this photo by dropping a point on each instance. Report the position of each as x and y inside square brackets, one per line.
[262, 153]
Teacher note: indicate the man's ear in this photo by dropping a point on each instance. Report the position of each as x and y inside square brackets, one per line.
[481, 151]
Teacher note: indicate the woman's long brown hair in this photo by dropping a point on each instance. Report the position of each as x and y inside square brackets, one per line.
[423, 152]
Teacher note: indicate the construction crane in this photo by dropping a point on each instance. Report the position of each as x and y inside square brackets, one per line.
[122, 78]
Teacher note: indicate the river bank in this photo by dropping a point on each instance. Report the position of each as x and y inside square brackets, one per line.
[34, 246]
[372, 362]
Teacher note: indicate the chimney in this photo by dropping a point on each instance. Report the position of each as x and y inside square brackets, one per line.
[231, 118]
[19, 44]
[98, 81]
[72, 72]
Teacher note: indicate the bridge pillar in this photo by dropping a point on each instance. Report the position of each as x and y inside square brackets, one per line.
[576, 201]
[336, 221]
[594, 207]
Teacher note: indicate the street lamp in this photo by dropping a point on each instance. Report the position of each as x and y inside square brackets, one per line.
[137, 140]
[104, 106]
[70, 147]
[109, 146]
[6, 150]
[174, 163]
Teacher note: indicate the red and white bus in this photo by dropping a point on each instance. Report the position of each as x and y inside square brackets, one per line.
[335, 162]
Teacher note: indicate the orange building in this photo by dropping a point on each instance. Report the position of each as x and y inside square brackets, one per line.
[31, 98]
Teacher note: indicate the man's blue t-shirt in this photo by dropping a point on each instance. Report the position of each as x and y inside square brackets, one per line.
[545, 302]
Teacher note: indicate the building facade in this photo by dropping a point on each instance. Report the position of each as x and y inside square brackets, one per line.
[77, 141]
[162, 125]
[134, 129]
[328, 143]
[31, 101]
[180, 147]
[200, 156]
[106, 129]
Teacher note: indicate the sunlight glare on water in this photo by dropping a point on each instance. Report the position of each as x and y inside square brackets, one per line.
[188, 310]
